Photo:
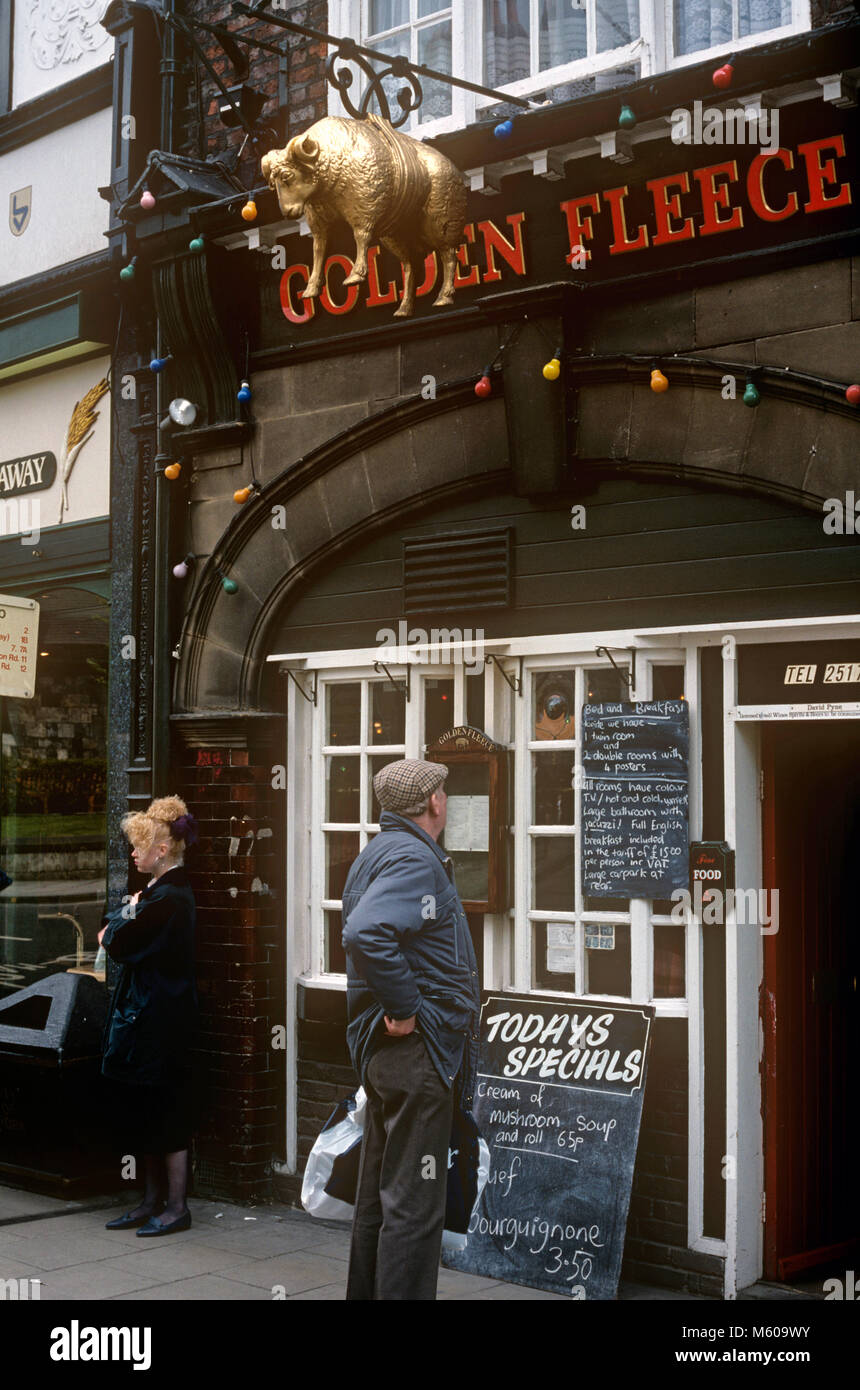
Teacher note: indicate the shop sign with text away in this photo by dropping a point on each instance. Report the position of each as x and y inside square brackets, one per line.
[677, 206]
[559, 1102]
[31, 473]
[19, 638]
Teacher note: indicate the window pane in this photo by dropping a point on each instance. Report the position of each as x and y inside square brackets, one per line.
[507, 55]
[53, 797]
[335, 956]
[553, 888]
[756, 15]
[668, 682]
[606, 904]
[342, 800]
[438, 709]
[607, 954]
[434, 51]
[553, 788]
[669, 962]
[605, 685]
[701, 24]
[387, 714]
[617, 23]
[376, 764]
[563, 33]
[388, 14]
[554, 713]
[553, 956]
[428, 7]
[344, 714]
[475, 700]
[341, 848]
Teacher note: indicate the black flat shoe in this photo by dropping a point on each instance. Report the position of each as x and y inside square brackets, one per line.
[155, 1228]
[127, 1222]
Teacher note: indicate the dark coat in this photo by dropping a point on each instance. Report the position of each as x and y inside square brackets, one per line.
[409, 951]
[153, 1010]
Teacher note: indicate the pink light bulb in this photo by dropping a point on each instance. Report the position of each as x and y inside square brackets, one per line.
[147, 200]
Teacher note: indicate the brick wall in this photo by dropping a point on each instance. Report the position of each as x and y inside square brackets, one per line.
[655, 1251]
[295, 87]
[240, 1075]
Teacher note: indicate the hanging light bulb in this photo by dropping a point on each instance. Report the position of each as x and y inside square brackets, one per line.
[127, 272]
[181, 570]
[196, 244]
[229, 586]
[751, 394]
[484, 387]
[722, 78]
[659, 382]
[147, 200]
[159, 363]
[552, 370]
[182, 412]
[852, 395]
[249, 211]
[172, 471]
[626, 117]
[504, 130]
[244, 392]
[242, 495]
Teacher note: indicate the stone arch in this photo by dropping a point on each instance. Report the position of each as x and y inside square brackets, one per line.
[417, 456]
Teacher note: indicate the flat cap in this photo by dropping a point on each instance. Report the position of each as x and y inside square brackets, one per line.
[404, 786]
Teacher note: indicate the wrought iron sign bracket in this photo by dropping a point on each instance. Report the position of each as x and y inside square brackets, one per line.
[629, 677]
[403, 687]
[312, 698]
[515, 682]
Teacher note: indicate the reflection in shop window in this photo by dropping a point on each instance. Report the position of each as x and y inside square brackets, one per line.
[343, 704]
[53, 770]
[607, 955]
[554, 697]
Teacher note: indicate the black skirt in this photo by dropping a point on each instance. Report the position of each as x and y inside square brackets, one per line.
[151, 1119]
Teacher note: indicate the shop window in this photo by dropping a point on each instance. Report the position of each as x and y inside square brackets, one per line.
[53, 774]
[669, 961]
[667, 682]
[700, 25]
[420, 30]
[438, 709]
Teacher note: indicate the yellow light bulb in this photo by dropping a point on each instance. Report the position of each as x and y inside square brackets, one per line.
[552, 370]
[172, 471]
[659, 382]
[242, 495]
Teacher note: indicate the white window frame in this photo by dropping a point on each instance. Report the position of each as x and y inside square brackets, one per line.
[652, 50]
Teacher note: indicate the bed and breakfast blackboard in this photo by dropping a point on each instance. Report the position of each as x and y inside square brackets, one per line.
[635, 798]
[559, 1102]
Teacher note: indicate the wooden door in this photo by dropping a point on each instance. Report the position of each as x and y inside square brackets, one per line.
[811, 812]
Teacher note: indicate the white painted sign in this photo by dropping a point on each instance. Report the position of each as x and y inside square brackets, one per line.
[19, 639]
[820, 711]
[467, 828]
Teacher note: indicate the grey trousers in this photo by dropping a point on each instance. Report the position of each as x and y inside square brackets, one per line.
[403, 1177]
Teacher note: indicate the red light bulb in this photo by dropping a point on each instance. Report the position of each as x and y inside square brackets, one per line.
[852, 395]
[722, 78]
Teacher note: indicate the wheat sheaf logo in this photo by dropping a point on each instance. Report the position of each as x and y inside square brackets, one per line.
[80, 430]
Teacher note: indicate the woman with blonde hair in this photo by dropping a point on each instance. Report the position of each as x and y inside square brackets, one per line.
[153, 1013]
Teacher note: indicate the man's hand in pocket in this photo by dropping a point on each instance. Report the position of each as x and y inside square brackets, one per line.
[398, 1028]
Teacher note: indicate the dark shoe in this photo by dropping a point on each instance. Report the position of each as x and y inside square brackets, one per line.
[155, 1228]
[127, 1222]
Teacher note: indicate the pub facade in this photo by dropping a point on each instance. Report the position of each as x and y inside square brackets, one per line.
[619, 466]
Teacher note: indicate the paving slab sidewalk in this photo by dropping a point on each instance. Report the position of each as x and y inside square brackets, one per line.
[230, 1253]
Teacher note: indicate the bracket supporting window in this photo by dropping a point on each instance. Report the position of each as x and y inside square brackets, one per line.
[515, 682]
[312, 698]
[628, 677]
[402, 687]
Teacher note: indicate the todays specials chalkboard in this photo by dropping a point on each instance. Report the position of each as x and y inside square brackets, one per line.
[635, 798]
[559, 1101]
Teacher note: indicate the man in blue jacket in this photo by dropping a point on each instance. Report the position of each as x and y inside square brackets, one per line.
[413, 1003]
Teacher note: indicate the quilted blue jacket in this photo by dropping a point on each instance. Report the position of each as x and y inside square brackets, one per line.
[409, 951]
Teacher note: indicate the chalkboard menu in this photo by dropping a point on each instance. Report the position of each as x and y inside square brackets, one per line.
[635, 798]
[559, 1100]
